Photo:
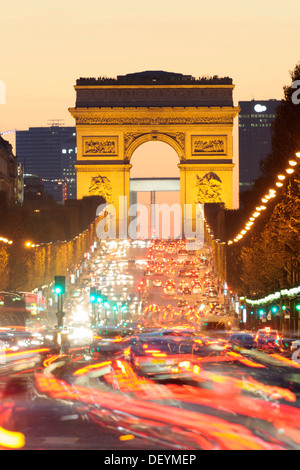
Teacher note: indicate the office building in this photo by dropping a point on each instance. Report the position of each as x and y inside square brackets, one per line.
[255, 122]
[50, 153]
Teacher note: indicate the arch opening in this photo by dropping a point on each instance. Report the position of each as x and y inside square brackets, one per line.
[155, 188]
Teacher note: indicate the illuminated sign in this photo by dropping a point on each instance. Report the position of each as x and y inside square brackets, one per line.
[260, 108]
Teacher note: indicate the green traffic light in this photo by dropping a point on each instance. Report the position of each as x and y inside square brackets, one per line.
[298, 307]
[95, 296]
[59, 285]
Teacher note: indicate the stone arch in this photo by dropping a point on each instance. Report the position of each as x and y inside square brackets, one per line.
[135, 140]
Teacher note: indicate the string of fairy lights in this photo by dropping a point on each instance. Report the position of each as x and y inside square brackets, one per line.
[267, 197]
[251, 221]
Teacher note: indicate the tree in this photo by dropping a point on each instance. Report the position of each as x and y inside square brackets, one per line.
[269, 257]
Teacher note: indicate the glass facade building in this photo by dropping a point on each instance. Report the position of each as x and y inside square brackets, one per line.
[50, 153]
[255, 123]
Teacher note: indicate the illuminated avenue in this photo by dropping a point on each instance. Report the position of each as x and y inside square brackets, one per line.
[143, 339]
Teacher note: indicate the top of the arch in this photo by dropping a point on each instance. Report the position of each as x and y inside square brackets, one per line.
[155, 77]
[155, 88]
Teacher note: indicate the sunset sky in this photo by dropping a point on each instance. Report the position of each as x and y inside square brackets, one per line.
[46, 45]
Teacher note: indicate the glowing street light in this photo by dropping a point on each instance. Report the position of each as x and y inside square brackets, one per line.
[281, 177]
[292, 162]
[290, 170]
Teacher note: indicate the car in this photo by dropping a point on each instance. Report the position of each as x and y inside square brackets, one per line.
[243, 340]
[267, 338]
[157, 283]
[169, 291]
[294, 344]
[187, 290]
[197, 290]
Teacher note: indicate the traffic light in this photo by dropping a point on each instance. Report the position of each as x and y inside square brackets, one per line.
[274, 309]
[298, 307]
[95, 296]
[59, 285]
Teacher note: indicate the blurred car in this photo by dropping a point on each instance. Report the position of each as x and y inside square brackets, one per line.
[187, 290]
[243, 340]
[197, 290]
[157, 283]
[294, 344]
[169, 291]
[109, 341]
[79, 334]
[267, 338]
[4, 344]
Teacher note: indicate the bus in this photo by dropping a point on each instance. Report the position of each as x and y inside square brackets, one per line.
[22, 309]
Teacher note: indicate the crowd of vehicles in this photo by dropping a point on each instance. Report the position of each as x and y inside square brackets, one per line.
[163, 339]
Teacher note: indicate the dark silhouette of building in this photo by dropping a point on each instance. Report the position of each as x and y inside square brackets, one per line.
[50, 154]
[9, 175]
[255, 123]
[33, 187]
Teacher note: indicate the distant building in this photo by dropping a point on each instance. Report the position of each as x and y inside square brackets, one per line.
[68, 153]
[33, 187]
[50, 153]
[9, 179]
[20, 183]
[255, 121]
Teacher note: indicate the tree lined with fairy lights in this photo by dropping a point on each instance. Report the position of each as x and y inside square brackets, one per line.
[268, 257]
